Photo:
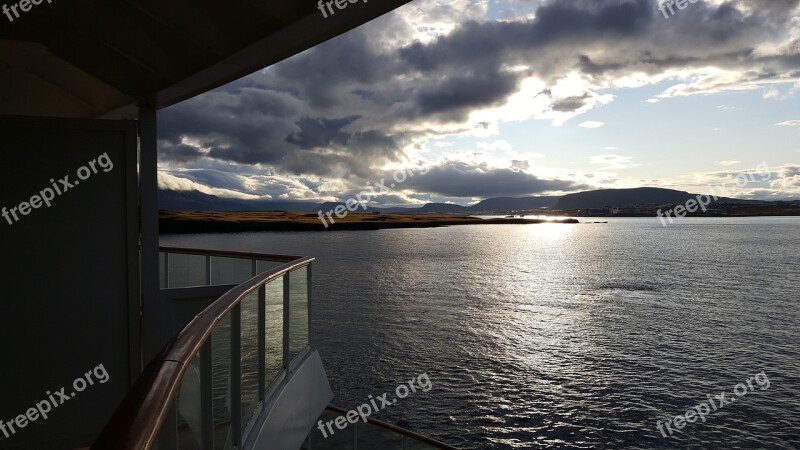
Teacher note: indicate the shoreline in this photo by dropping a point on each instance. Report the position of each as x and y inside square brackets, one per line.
[180, 222]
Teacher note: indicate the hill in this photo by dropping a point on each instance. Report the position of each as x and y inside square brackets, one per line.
[628, 198]
[198, 201]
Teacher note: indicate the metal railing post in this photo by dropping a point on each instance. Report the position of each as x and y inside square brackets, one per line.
[158, 389]
[206, 397]
[166, 270]
[208, 270]
[309, 293]
[286, 312]
[262, 340]
[236, 375]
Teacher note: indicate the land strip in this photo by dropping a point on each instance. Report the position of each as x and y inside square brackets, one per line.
[220, 222]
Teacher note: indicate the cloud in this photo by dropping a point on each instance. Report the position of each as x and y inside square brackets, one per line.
[168, 181]
[520, 165]
[338, 114]
[789, 123]
[609, 161]
[461, 180]
[771, 93]
[591, 124]
[729, 162]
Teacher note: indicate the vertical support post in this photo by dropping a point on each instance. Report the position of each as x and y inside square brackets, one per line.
[286, 295]
[309, 293]
[166, 270]
[206, 397]
[208, 270]
[262, 341]
[236, 376]
[153, 324]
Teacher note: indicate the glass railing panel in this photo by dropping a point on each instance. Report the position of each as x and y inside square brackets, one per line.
[263, 266]
[249, 356]
[230, 270]
[189, 408]
[273, 327]
[373, 436]
[221, 383]
[186, 270]
[162, 269]
[298, 311]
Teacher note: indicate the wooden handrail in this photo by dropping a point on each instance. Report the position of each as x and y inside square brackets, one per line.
[137, 422]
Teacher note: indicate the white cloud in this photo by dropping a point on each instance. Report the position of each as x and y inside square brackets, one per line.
[771, 93]
[789, 123]
[591, 124]
[729, 162]
[169, 181]
[613, 161]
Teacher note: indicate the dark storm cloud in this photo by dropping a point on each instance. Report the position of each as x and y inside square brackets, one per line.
[322, 72]
[305, 102]
[458, 179]
[232, 126]
[169, 151]
[590, 67]
[461, 94]
[556, 23]
[317, 133]
[627, 34]
[264, 126]
[350, 105]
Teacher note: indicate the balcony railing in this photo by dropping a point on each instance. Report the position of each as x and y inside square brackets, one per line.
[369, 435]
[207, 387]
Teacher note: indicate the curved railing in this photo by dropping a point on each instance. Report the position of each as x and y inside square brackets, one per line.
[202, 389]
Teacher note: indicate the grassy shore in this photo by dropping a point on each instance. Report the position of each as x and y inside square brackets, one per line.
[220, 222]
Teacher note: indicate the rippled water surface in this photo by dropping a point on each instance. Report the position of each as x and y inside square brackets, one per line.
[561, 336]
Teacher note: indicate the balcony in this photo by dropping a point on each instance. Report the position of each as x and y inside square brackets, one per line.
[239, 371]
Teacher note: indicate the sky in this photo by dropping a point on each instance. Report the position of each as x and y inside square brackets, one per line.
[458, 100]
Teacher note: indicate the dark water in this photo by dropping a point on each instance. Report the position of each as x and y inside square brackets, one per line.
[561, 336]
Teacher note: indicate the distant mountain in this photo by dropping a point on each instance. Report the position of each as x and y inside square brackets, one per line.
[329, 206]
[198, 201]
[441, 207]
[628, 198]
[514, 203]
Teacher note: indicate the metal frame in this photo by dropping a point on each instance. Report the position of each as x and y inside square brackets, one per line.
[153, 328]
[406, 434]
[150, 405]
